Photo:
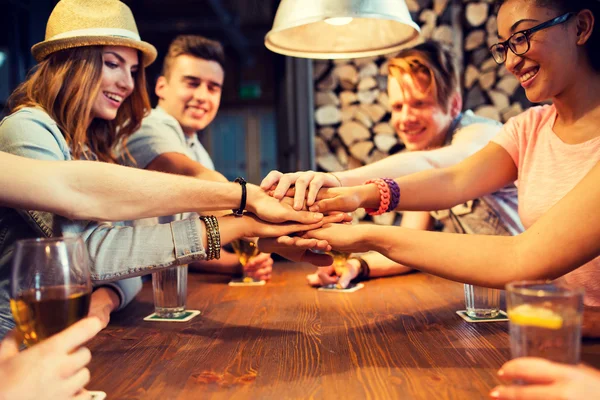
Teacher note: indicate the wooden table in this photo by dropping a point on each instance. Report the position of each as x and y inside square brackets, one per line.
[398, 338]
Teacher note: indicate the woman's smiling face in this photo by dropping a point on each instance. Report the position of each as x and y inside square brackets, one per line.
[549, 66]
[119, 66]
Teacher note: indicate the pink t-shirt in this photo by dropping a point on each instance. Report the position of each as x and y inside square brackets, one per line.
[548, 170]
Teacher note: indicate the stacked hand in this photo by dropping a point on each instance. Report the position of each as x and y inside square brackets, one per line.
[278, 184]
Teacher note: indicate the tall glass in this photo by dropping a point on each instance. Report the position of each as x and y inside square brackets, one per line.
[169, 287]
[50, 287]
[545, 320]
[245, 249]
[482, 302]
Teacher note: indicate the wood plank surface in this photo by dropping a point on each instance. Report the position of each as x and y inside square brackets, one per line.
[397, 338]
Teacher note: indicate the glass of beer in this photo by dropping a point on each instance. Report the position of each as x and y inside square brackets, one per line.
[50, 287]
[545, 320]
[245, 249]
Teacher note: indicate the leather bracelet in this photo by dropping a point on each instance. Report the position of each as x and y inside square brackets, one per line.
[364, 272]
[384, 197]
[240, 211]
[213, 237]
[394, 193]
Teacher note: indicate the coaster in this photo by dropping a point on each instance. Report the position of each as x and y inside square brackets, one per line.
[186, 316]
[97, 395]
[240, 282]
[350, 289]
[498, 318]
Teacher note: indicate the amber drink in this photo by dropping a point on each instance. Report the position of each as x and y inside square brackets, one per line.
[245, 249]
[50, 286]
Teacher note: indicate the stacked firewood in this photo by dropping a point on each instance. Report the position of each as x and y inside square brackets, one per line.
[352, 112]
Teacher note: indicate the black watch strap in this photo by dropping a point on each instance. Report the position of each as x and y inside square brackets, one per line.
[240, 211]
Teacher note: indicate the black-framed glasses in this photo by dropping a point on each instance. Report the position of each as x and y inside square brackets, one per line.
[518, 42]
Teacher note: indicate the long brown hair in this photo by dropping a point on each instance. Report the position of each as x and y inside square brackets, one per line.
[65, 85]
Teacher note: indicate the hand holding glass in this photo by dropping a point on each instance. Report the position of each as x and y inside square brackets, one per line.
[50, 287]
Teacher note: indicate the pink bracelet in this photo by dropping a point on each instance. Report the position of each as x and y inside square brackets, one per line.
[384, 197]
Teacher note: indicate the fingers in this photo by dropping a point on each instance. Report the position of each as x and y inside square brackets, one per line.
[74, 336]
[75, 361]
[317, 183]
[271, 179]
[9, 346]
[327, 275]
[305, 217]
[346, 277]
[329, 205]
[313, 279]
[77, 382]
[300, 186]
[534, 370]
[285, 181]
[532, 392]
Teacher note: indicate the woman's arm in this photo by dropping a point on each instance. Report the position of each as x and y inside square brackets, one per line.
[563, 239]
[100, 191]
[484, 172]
[307, 183]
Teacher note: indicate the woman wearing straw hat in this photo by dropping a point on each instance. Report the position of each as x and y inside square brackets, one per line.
[86, 95]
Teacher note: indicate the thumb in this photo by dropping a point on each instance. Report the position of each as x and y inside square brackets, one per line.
[9, 346]
[328, 205]
[345, 278]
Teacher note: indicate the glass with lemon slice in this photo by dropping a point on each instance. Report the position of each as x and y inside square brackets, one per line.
[545, 320]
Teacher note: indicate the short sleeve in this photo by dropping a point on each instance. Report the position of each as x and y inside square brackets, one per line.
[154, 138]
[27, 134]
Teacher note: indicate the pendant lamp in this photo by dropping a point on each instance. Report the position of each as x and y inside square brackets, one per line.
[331, 29]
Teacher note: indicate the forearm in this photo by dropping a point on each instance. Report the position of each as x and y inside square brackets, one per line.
[380, 265]
[110, 192]
[394, 166]
[490, 261]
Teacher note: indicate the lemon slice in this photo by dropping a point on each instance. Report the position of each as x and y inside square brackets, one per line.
[528, 315]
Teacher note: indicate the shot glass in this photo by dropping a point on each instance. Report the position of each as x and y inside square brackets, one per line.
[545, 320]
[169, 287]
[482, 302]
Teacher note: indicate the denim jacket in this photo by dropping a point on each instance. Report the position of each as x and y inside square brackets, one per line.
[116, 252]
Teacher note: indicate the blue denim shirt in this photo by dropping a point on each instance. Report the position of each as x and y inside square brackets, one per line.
[116, 252]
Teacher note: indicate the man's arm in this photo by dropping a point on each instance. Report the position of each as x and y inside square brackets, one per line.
[180, 164]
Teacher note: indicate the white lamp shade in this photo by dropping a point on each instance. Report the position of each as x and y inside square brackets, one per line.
[375, 27]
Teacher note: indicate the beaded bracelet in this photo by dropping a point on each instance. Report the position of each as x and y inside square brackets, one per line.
[394, 193]
[213, 237]
[384, 197]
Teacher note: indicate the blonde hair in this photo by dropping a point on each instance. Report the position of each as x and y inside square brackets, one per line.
[65, 85]
[431, 64]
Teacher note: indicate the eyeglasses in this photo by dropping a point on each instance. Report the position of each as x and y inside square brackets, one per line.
[518, 42]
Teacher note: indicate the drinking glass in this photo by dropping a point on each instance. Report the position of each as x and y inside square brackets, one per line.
[482, 302]
[50, 287]
[245, 249]
[169, 288]
[545, 320]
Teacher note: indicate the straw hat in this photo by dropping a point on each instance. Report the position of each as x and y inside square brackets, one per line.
[76, 23]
